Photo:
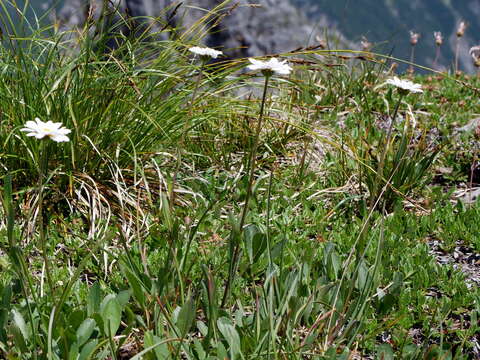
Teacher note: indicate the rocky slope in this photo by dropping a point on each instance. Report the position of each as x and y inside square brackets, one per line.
[282, 25]
[388, 22]
[247, 28]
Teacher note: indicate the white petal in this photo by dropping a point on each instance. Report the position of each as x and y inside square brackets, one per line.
[64, 131]
[60, 138]
[31, 124]
[255, 64]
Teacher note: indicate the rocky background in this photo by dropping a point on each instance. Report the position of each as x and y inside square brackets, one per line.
[283, 25]
[266, 27]
[387, 23]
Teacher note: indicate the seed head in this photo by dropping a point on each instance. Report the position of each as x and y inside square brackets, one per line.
[322, 43]
[461, 28]
[414, 38]
[475, 54]
[438, 38]
[366, 45]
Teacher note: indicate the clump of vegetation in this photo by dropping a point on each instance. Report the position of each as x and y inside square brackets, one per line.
[279, 209]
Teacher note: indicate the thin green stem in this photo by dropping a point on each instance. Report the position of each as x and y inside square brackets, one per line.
[253, 155]
[269, 209]
[383, 155]
[437, 56]
[183, 135]
[412, 58]
[457, 49]
[43, 241]
[301, 167]
[472, 170]
[253, 159]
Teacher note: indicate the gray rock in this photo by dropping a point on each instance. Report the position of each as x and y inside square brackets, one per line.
[242, 29]
[469, 127]
[470, 196]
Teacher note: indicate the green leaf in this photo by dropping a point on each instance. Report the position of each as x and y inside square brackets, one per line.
[397, 282]
[111, 312]
[8, 208]
[3, 321]
[151, 341]
[94, 299]
[255, 242]
[123, 297]
[333, 261]
[85, 330]
[88, 350]
[19, 322]
[221, 352]
[186, 317]
[202, 328]
[386, 303]
[75, 318]
[230, 334]
[201, 354]
[385, 352]
[136, 286]
[362, 277]
[73, 352]
[19, 331]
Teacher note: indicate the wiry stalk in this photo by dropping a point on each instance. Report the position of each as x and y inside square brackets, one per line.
[43, 243]
[253, 154]
[183, 135]
[457, 49]
[472, 171]
[412, 59]
[437, 56]
[253, 159]
[383, 155]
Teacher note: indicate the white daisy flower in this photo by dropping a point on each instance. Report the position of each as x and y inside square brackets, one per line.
[270, 66]
[405, 85]
[49, 129]
[205, 51]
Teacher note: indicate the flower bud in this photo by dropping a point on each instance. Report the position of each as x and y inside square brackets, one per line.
[414, 38]
[438, 38]
[461, 28]
[475, 54]
[366, 45]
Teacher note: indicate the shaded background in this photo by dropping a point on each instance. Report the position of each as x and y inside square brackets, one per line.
[283, 25]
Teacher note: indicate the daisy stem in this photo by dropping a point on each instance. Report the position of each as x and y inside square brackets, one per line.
[457, 49]
[43, 242]
[183, 135]
[383, 155]
[253, 155]
[437, 56]
[252, 164]
[412, 58]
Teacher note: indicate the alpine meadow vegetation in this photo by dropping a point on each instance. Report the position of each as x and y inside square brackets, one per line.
[160, 200]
